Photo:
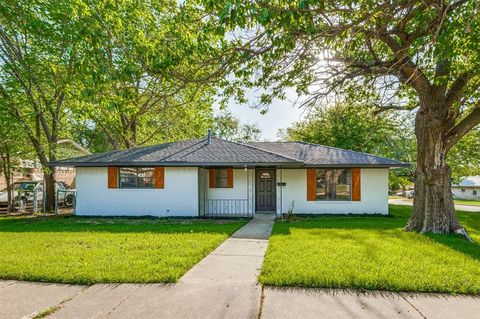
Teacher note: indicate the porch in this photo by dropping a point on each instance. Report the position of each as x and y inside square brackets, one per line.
[237, 195]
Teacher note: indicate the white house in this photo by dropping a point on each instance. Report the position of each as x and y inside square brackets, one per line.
[215, 177]
[468, 188]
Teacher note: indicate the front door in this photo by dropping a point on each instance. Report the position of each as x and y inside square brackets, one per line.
[265, 190]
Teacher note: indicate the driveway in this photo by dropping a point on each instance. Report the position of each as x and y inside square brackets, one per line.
[223, 285]
[409, 202]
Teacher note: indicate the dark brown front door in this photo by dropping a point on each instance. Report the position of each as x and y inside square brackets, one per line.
[265, 190]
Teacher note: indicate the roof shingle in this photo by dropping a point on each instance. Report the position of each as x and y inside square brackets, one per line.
[219, 152]
[320, 155]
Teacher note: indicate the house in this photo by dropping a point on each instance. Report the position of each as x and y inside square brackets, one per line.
[468, 188]
[216, 177]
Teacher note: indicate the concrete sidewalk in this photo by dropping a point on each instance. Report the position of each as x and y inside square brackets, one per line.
[343, 304]
[203, 300]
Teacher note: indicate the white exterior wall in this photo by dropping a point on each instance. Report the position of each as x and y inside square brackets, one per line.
[178, 198]
[373, 186]
[243, 189]
[467, 194]
[239, 190]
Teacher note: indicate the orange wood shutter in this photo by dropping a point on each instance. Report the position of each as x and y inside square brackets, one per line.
[211, 173]
[311, 184]
[356, 191]
[159, 177]
[112, 177]
[229, 177]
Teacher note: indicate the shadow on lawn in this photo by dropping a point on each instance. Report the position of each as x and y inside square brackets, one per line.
[395, 221]
[119, 225]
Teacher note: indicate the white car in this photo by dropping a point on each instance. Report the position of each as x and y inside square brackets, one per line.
[27, 191]
[410, 194]
[4, 197]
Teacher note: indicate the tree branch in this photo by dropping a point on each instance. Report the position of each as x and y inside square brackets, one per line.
[463, 127]
[457, 87]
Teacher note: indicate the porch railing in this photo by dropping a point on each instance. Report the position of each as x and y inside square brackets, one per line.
[227, 208]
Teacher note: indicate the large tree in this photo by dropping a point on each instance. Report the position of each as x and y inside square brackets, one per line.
[123, 67]
[413, 54]
[14, 147]
[148, 77]
[349, 125]
[40, 52]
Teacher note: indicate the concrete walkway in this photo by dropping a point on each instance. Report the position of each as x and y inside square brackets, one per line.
[343, 304]
[409, 202]
[224, 285]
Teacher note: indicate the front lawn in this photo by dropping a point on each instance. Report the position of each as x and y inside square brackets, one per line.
[372, 253]
[91, 250]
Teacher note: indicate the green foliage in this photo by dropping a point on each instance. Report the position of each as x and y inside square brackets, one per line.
[228, 127]
[372, 253]
[144, 83]
[93, 250]
[41, 57]
[350, 126]
[397, 182]
[464, 157]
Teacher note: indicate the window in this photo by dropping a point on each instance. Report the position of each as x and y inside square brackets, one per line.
[221, 178]
[334, 184]
[265, 175]
[132, 177]
[474, 192]
[463, 190]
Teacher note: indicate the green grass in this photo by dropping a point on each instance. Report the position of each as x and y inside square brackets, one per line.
[372, 253]
[467, 202]
[92, 250]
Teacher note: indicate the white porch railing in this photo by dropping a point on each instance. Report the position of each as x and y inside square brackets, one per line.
[227, 208]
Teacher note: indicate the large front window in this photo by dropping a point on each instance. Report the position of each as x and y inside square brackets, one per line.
[334, 184]
[133, 177]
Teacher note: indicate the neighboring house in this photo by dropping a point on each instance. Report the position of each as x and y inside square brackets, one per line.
[468, 188]
[216, 177]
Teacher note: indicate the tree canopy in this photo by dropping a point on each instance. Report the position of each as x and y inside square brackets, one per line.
[394, 54]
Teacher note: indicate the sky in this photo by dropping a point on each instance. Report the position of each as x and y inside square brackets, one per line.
[280, 115]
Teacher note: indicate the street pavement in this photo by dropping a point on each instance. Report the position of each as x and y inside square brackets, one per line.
[409, 202]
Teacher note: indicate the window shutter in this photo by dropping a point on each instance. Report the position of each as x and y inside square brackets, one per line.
[159, 177]
[356, 191]
[211, 173]
[230, 178]
[311, 184]
[112, 177]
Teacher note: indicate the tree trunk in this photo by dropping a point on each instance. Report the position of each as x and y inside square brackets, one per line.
[49, 191]
[433, 208]
[9, 180]
[7, 172]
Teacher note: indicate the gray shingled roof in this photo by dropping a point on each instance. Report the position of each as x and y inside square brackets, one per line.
[221, 152]
[185, 153]
[320, 155]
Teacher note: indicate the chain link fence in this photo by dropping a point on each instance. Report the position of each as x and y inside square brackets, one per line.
[33, 201]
